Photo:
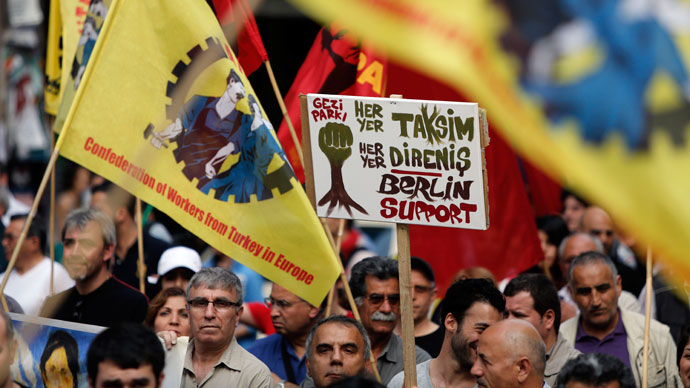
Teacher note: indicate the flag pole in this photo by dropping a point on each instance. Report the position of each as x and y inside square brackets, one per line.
[283, 109]
[647, 319]
[309, 188]
[338, 244]
[51, 217]
[141, 267]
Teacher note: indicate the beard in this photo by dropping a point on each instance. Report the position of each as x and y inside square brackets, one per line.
[462, 351]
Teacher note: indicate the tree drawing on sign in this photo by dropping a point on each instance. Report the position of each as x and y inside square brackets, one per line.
[335, 141]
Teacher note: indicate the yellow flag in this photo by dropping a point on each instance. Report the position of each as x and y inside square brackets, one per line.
[596, 93]
[164, 110]
[65, 25]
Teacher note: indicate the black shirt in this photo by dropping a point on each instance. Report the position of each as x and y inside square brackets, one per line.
[431, 342]
[112, 302]
[126, 270]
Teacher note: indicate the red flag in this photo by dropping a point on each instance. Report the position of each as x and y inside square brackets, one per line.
[544, 191]
[250, 48]
[335, 64]
[511, 244]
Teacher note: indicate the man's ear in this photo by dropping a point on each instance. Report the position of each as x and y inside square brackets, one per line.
[314, 312]
[160, 379]
[523, 368]
[240, 310]
[108, 252]
[450, 323]
[619, 285]
[308, 365]
[548, 319]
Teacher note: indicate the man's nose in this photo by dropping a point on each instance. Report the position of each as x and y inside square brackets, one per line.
[210, 311]
[179, 281]
[386, 306]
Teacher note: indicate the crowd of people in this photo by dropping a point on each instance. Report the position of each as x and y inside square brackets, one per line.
[571, 320]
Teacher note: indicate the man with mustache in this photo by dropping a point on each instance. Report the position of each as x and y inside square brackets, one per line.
[284, 352]
[470, 306]
[374, 284]
[603, 327]
[97, 298]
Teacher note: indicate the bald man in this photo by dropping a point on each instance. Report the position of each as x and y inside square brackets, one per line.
[510, 354]
[599, 224]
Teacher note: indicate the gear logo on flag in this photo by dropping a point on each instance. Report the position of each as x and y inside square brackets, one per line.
[207, 130]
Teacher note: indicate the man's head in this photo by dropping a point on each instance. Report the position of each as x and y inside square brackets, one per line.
[534, 298]
[176, 267]
[8, 347]
[88, 238]
[423, 288]
[597, 222]
[126, 354]
[374, 284]
[510, 353]
[595, 370]
[573, 245]
[114, 201]
[60, 361]
[34, 242]
[470, 306]
[595, 287]
[214, 299]
[573, 209]
[337, 347]
[292, 316]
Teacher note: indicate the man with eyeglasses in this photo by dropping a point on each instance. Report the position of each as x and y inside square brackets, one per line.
[427, 334]
[213, 357]
[599, 224]
[374, 284]
[284, 352]
[29, 281]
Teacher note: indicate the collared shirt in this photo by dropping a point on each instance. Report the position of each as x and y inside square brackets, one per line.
[560, 353]
[235, 368]
[390, 361]
[614, 344]
[269, 350]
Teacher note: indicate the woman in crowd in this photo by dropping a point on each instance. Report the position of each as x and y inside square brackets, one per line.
[683, 350]
[167, 311]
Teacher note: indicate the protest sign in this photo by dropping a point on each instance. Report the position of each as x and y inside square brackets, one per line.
[396, 160]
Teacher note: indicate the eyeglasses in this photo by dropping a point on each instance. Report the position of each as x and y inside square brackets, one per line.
[377, 299]
[218, 304]
[279, 303]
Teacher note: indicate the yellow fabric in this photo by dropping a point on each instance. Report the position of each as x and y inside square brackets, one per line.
[64, 28]
[123, 90]
[646, 190]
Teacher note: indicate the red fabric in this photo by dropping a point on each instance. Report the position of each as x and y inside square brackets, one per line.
[511, 243]
[335, 64]
[262, 316]
[250, 48]
[544, 191]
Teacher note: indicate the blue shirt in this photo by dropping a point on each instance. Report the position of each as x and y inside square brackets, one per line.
[269, 351]
[614, 344]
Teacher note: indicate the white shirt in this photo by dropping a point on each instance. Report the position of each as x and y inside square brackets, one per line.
[32, 287]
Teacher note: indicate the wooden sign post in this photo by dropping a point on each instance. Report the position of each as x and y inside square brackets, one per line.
[394, 160]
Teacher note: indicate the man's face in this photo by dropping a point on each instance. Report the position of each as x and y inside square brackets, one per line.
[7, 350]
[596, 294]
[57, 373]
[493, 367]
[379, 314]
[84, 253]
[464, 341]
[423, 295]
[597, 223]
[235, 91]
[291, 315]
[575, 245]
[337, 352]
[572, 213]
[521, 306]
[213, 324]
[110, 376]
[11, 237]
[178, 277]
[99, 200]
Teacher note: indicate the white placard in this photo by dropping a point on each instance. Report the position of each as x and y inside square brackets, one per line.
[398, 160]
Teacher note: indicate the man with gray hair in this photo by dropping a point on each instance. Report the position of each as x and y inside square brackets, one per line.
[97, 298]
[337, 347]
[214, 358]
[603, 327]
[595, 370]
[510, 354]
[374, 284]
